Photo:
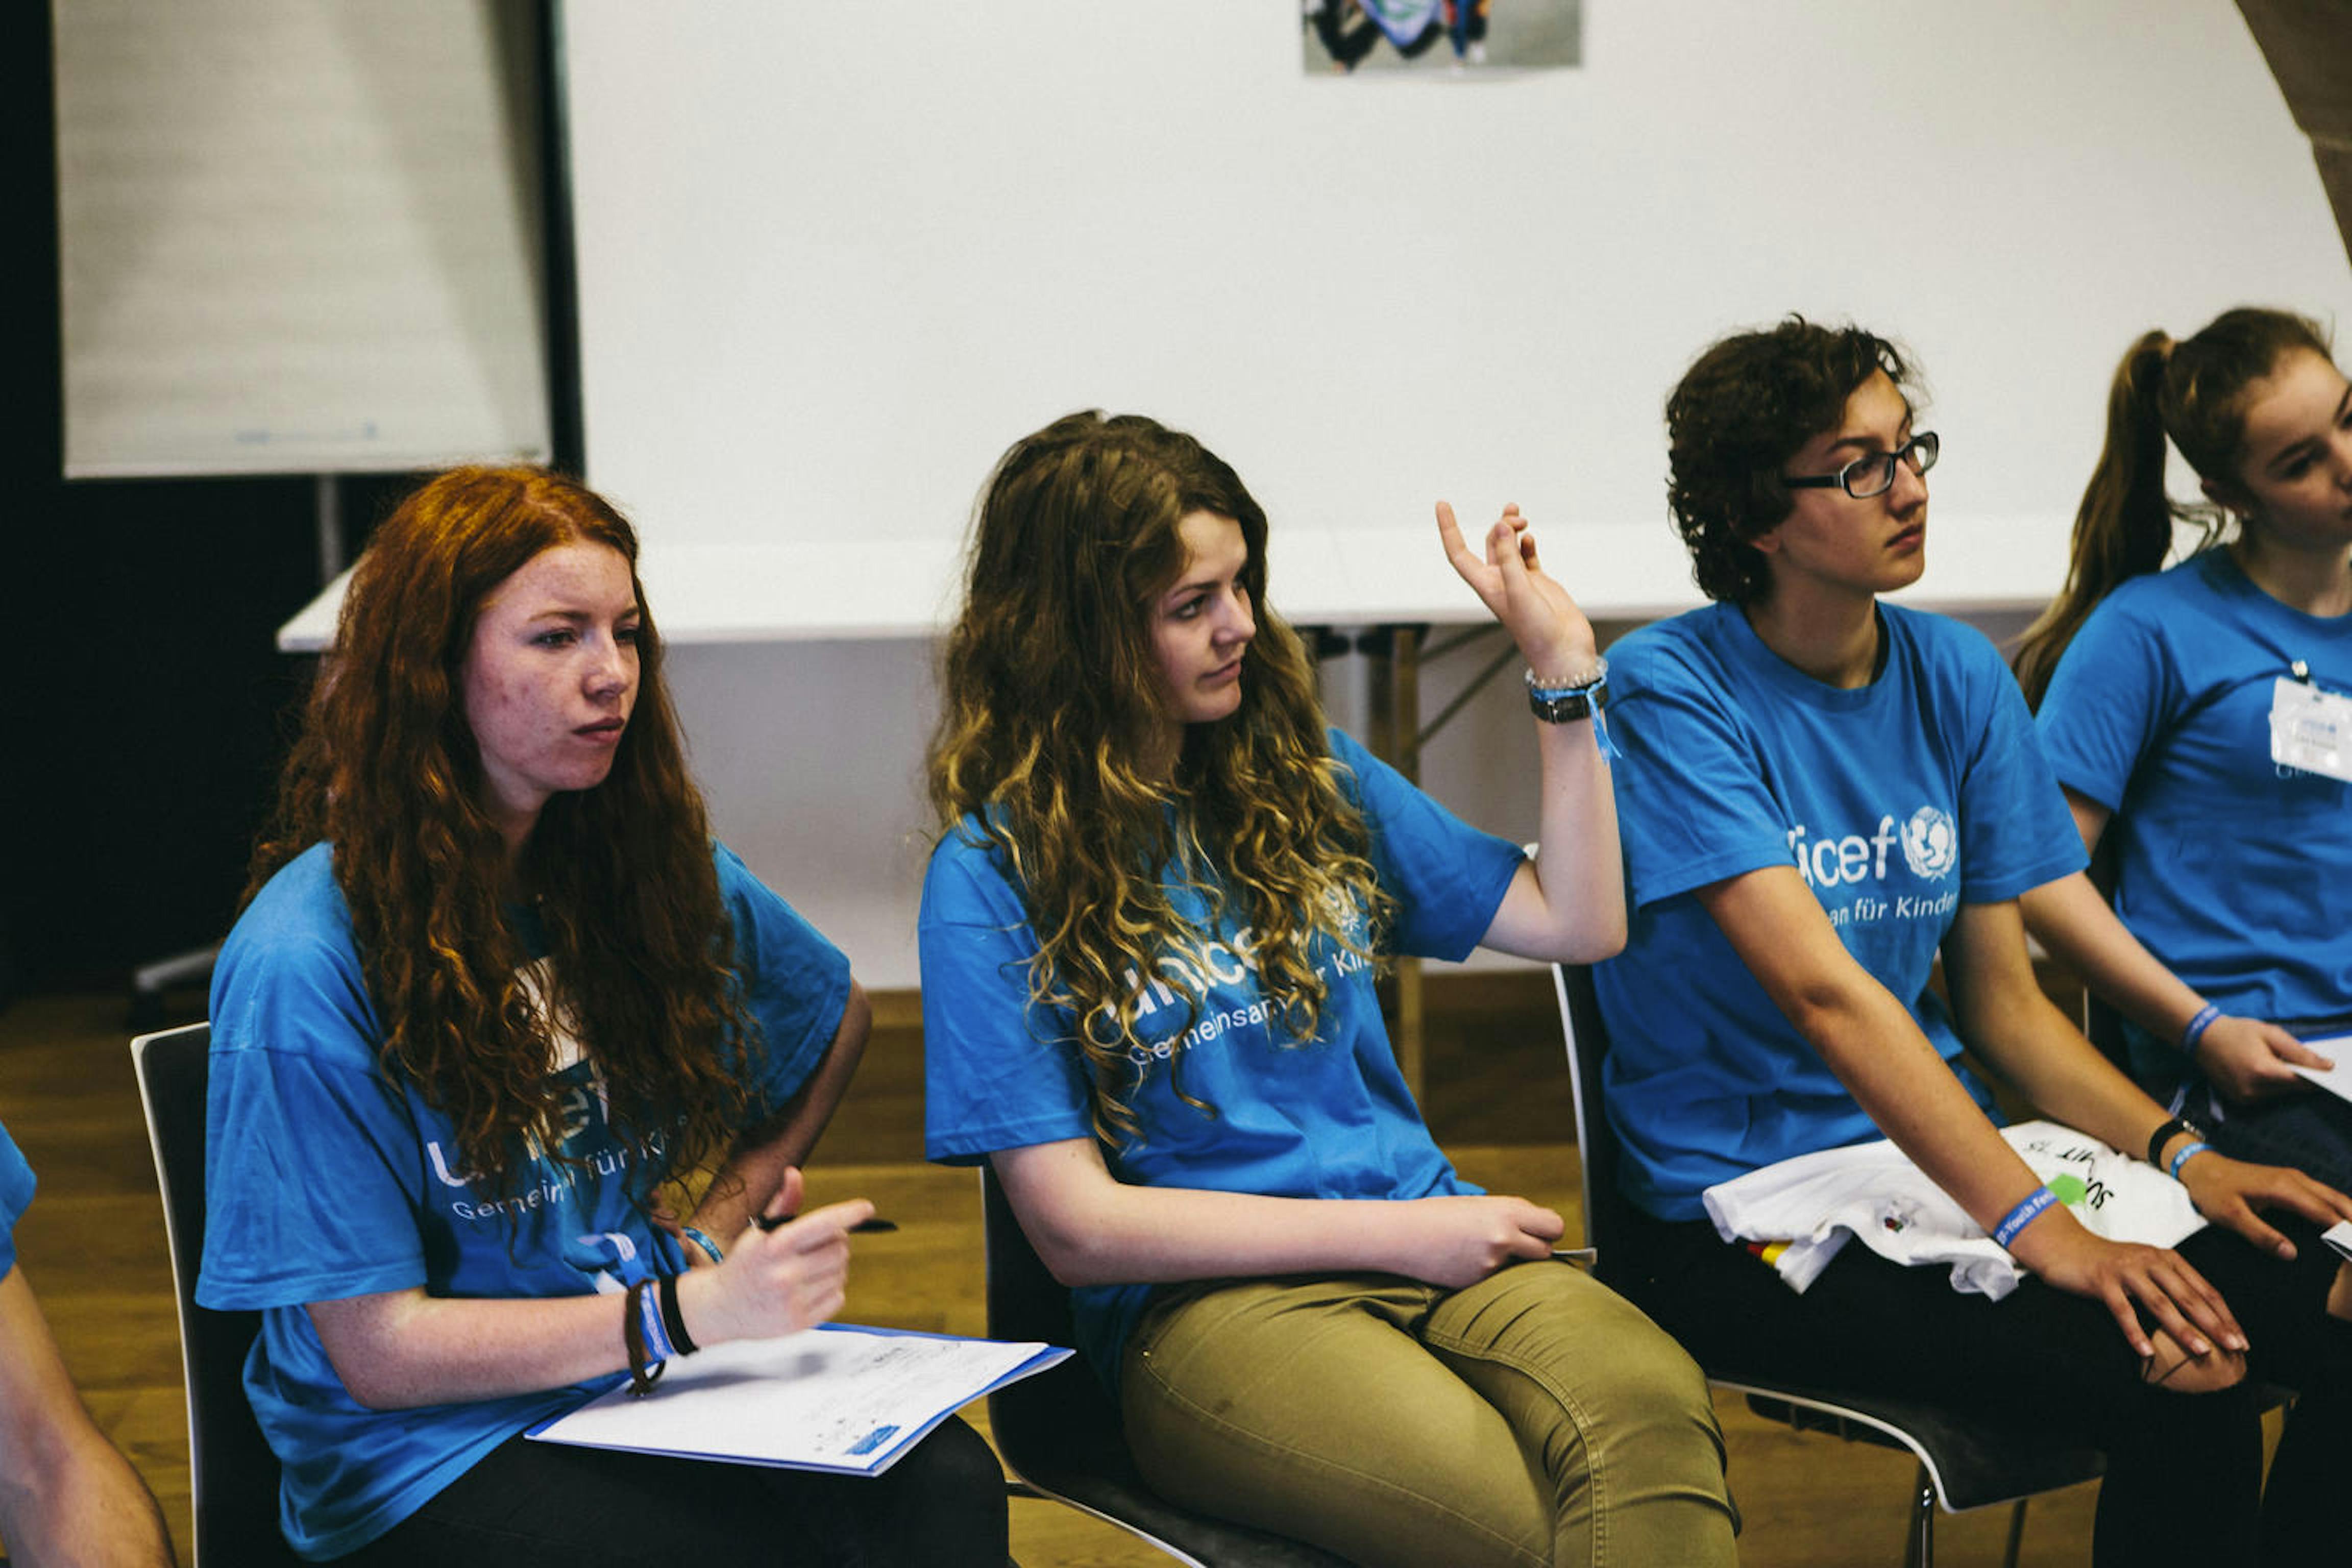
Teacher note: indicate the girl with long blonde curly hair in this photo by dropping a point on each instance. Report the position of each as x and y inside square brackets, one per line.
[1149, 934]
[494, 991]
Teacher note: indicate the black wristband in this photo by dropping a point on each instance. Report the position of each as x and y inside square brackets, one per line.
[673, 1319]
[2165, 1134]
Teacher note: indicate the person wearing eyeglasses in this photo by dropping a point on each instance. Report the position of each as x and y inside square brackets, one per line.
[2161, 694]
[1821, 793]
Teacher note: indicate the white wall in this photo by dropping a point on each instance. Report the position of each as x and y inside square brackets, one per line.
[832, 262]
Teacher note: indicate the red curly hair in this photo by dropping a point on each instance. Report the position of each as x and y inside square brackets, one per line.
[387, 770]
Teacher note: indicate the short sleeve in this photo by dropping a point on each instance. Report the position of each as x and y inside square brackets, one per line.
[2016, 832]
[2107, 702]
[796, 981]
[1693, 802]
[1447, 877]
[313, 1165]
[999, 1072]
[15, 1197]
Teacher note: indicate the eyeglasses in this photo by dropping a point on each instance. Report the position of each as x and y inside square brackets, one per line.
[1875, 475]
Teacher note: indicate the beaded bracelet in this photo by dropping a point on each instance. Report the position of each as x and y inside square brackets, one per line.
[2023, 1215]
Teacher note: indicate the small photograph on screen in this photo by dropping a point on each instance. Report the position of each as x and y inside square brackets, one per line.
[1440, 37]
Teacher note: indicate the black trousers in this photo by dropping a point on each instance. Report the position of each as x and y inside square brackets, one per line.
[545, 1505]
[2184, 1471]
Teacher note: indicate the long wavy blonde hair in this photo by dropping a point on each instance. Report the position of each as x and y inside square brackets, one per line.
[387, 770]
[1052, 699]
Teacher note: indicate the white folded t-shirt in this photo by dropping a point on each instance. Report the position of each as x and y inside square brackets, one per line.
[1815, 1202]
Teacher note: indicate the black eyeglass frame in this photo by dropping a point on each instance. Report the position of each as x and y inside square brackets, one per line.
[1927, 444]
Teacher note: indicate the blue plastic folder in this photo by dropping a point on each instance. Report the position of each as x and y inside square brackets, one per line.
[842, 1398]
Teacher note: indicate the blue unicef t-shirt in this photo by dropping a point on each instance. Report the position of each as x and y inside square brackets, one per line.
[1897, 802]
[2230, 868]
[1326, 1117]
[16, 1197]
[324, 1181]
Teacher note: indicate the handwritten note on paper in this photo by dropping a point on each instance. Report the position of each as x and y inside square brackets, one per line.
[835, 1398]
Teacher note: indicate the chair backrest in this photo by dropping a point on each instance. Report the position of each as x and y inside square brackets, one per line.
[232, 1472]
[1059, 1431]
[1596, 1140]
[1063, 1415]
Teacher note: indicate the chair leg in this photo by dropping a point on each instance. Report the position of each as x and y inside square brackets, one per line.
[2016, 1534]
[1919, 1549]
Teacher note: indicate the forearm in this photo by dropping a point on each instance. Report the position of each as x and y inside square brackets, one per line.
[1092, 1229]
[2041, 1053]
[1138, 1235]
[2069, 918]
[1569, 906]
[1579, 866]
[66, 1495]
[78, 1504]
[402, 1349]
[1876, 1049]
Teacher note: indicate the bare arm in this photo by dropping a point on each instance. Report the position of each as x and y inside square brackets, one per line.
[755, 1169]
[1870, 1041]
[2013, 1026]
[2246, 1056]
[1091, 1228]
[1569, 905]
[398, 1349]
[68, 1496]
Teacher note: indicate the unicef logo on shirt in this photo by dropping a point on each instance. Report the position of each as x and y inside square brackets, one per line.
[1931, 844]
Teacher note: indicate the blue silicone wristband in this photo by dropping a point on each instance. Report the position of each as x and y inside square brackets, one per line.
[2195, 1031]
[2023, 1215]
[657, 1342]
[2182, 1158]
[702, 1239]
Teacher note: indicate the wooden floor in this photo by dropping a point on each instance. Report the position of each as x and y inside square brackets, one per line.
[92, 1248]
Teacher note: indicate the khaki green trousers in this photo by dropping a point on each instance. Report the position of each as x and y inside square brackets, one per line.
[1536, 1418]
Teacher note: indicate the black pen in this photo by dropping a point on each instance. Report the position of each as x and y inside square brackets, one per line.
[873, 1226]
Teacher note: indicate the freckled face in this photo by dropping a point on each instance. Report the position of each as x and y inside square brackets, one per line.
[1201, 624]
[1830, 540]
[2297, 466]
[551, 677]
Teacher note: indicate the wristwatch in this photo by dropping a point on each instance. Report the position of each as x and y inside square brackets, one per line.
[1566, 704]
[2165, 1134]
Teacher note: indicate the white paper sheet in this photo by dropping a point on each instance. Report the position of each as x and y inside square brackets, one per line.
[833, 1398]
[2338, 1079]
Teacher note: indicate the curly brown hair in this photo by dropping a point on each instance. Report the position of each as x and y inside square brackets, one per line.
[1736, 418]
[1052, 700]
[387, 770]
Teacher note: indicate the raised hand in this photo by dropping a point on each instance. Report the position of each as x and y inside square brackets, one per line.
[1553, 635]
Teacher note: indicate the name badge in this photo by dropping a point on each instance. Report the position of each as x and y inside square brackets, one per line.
[2311, 729]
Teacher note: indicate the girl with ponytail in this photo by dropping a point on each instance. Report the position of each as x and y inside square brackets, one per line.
[2160, 692]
